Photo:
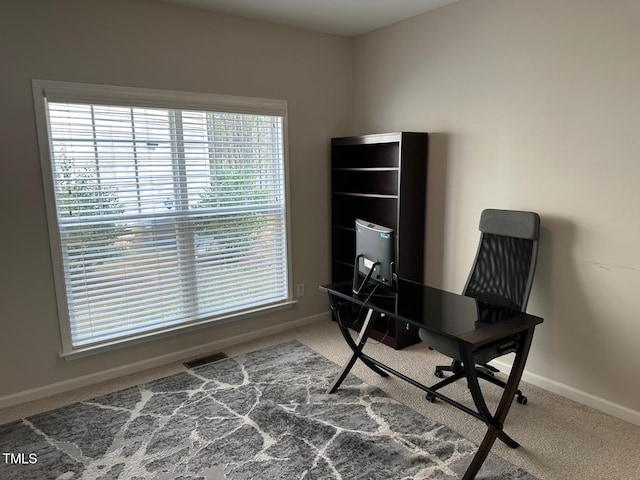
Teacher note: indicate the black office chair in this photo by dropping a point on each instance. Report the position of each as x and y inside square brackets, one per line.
[502, 274]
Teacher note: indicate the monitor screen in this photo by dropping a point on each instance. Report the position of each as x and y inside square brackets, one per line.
[376, 250]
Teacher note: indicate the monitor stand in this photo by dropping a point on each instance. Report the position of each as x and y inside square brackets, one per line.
[357, 289]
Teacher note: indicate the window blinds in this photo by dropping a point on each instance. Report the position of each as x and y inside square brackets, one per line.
[165, 216]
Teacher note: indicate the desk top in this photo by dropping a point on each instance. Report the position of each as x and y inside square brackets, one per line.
[470, 320]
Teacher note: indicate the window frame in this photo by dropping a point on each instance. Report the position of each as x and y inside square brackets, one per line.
[57, 91]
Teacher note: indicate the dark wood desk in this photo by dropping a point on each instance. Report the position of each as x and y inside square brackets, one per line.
[473, 324]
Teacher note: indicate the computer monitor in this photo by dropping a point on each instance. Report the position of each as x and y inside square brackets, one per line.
[375, 255]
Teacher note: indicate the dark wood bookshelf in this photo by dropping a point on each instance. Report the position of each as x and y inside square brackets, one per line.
[382, 179]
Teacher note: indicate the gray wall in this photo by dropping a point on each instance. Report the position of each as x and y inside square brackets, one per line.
[534, 104]
[151, 44]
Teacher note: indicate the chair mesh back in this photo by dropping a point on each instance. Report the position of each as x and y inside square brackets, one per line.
[503, 271]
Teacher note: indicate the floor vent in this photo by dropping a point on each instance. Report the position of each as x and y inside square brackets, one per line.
[198, 362]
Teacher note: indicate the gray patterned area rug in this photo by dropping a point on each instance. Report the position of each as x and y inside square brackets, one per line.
[263, 415]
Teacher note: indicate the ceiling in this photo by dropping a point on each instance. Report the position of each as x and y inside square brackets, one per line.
[338, 17]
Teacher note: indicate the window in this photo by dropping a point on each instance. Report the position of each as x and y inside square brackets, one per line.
[166, 209]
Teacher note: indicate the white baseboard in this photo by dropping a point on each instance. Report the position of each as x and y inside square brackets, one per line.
[177, 356]
[584, 398]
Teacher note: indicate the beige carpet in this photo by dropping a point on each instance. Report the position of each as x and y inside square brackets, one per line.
[559, 439]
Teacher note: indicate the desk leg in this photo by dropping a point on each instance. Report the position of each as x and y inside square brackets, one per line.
[356, 348]
[495, 422]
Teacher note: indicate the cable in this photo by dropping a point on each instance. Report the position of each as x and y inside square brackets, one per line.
[364, 304]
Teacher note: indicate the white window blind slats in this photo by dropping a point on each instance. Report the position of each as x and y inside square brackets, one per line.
[110, 332]
[165, 216]
[113, 288]
[166, 310]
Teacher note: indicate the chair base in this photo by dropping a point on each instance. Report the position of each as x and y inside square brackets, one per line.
[486, 372]
[456, 367]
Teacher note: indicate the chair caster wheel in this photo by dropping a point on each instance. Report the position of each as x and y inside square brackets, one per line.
[431, 398]
[521, 399]
[439, 374]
